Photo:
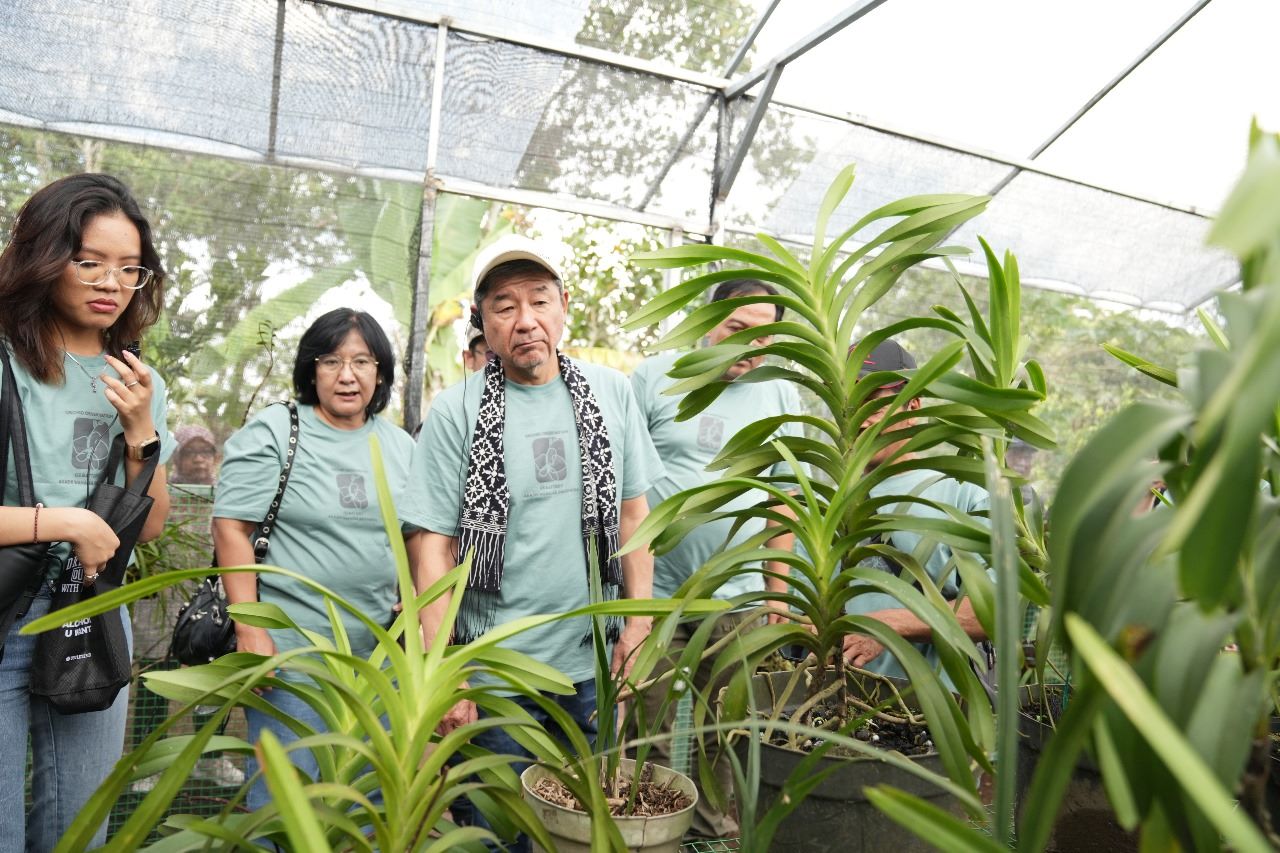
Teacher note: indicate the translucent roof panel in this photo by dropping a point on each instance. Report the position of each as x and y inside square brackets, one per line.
[1002, 78]
[786, 176]
[1174, 130]
[199, 68]
[355, 89]
[516, 117]
[1067, 236]
[1103, 245]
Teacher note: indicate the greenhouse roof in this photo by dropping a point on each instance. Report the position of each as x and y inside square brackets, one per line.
[1106, 132]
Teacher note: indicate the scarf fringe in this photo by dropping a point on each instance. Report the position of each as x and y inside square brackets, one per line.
[476, 613]
[488, 550]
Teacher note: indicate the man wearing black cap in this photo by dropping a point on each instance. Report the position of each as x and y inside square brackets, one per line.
[938, 560]
[537, 471]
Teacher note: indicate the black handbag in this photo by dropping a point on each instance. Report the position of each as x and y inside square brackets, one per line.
[204, 630]
[21, 566]
[83, 664]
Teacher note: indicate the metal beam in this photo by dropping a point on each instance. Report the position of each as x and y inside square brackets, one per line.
[552, 201]
[750, 40]
[685, 138]
[804, 45]
[277, 62]
[415, 372]
[730, 172]
[1195, 9]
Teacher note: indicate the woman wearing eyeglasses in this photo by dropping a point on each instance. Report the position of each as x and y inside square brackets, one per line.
[79, 281]
[329, 525]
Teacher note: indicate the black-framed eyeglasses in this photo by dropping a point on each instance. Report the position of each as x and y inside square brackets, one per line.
[95, 272]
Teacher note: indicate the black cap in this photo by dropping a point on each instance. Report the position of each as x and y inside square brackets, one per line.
[887, 355]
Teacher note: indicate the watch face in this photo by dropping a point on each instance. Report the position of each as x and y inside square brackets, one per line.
[146, 450]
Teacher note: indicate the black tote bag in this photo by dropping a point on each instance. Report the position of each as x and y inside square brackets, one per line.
[22, 565]
[83, 664]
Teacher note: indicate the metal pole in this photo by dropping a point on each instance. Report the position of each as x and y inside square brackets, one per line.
[748, 133]
[277, 62]
[416, 357]
[706, 107]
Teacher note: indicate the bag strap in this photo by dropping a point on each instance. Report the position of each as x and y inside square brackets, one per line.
[15, 436]
[142, 482]
[263, 540]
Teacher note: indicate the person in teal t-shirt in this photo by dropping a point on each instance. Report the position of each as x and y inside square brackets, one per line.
[80, 280]
[329, 524]
[525, 466]
[686, 447]
[860, 649]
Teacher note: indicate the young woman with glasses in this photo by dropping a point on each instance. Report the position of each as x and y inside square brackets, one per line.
[79, 281]
[329, 525]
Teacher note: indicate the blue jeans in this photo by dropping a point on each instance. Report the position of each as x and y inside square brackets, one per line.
[581, 705]
[71, 755]
[257, 721]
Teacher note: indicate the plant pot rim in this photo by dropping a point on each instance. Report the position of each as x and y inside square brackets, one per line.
[543, 768]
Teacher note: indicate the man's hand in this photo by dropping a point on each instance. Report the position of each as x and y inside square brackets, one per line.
[637, 628]
[860, 650]
[776, 617]
[460, 714]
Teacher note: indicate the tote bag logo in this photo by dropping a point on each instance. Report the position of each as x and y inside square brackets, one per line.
[90, 443]
[352, 493]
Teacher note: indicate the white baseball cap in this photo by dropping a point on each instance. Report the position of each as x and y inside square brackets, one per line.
[510, 247]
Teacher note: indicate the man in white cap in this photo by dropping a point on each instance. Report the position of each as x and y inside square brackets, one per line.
[537, 471]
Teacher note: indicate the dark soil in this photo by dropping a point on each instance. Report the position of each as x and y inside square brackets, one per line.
[1036, 709]
[653, 799]
[904, 737]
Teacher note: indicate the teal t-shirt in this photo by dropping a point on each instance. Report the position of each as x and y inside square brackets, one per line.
[932, 486]
[330, 522]
[686, 447]
[70, 428]
[545, 569]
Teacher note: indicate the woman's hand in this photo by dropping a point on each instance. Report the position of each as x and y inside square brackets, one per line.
[251, 638]
[131, 396]
[91, 538]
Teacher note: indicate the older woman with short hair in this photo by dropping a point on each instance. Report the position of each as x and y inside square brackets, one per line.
[329, 525]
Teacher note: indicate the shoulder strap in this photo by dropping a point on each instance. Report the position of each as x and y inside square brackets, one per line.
[14, 426]
[141, 483]
[263, 540]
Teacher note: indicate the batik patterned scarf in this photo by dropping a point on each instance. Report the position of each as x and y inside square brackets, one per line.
[486, 502]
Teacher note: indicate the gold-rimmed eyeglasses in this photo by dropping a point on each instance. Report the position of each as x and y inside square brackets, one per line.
[361, 365]
[96, 272]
